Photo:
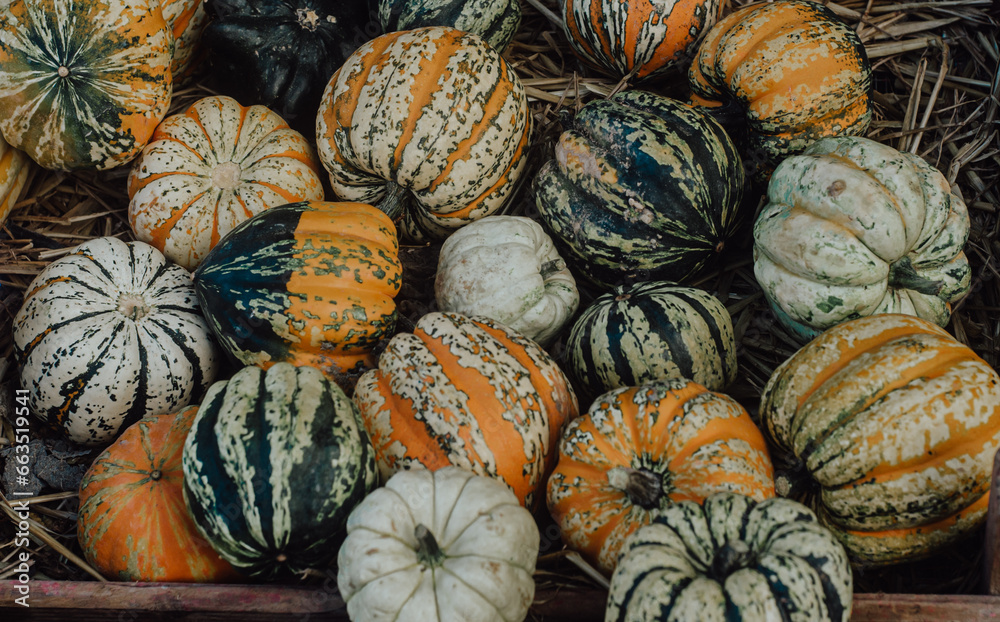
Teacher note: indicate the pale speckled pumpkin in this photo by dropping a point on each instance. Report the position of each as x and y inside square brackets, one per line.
[15, 166]
[442, 546]
[211, 167]
[639, 450]
[187, 20]
[508, 269]
[431, 125]
[83, 83]
[889, 427]
[853, 227]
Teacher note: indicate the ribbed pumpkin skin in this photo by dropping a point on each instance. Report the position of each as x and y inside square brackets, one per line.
[187, 20]
[15, 165]
[308, 283]
[431, 121]
[920, 414]
[116, 55]
[640, 449]
[210, 168]
[273, 465]
[853, 227]
[133, 523]
[109, 334]
[496, 22]
[733, 559]
[641, 188]
[798, 71]
[645, 38]
[467, 392]
[652, 331]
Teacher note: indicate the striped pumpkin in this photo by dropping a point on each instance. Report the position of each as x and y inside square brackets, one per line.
[640, 38]
[210, 168]
[83, 83]
[430, 125]
[853, 227]
[308, 283]
[496, 22]
[733, 559]
[274, 464]
[15, 165]
[109, 334]
[133, 523]
[467, 392]
[639, 450]
[187, 20]
[641, 188]
[652, 331]
[889, 426]
[795, 69]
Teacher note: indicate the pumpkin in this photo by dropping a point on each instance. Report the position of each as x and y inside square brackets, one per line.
[210, 168]
[15, 166]
[794, 69]
[644, 38]
[496, 22]
[853, 227]
[436, 547]
[108, 334]
[639, 450]
[83, 84]
[888, 426]
[641, 188]
[652, 331]
[133, 524]
[507, 268]
[430, 125]
[732, 559]
[187, 20]
[309, 283]
[273, 465]
[280, 53]
[467, 392]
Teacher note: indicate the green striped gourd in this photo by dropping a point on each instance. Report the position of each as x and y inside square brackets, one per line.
[732, 559]
[495, 21]
[274, 464]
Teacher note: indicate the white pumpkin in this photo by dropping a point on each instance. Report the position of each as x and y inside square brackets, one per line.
[507, 269]
[109, 334]
[441, 545]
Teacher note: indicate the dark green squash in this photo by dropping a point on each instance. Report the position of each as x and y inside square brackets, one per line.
[642, 187]
[281, 53]
[495, 21]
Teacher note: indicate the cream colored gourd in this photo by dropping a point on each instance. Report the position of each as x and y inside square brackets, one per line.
[507, 268]
[442, 545]
[853, 227]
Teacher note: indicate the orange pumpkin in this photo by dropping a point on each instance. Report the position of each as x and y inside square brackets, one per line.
[641, 449]
[795, 69]
[133, 522]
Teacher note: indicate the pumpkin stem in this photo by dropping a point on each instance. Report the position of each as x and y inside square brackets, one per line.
[902, 275]
[132, 306]
[549, 268]
[643, 487]
[732, 556]
[156, 475]
[428, 551]
[395, 200]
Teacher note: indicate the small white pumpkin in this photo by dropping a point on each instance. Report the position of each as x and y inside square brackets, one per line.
[439, 545]
[507, 268]
[109, 334]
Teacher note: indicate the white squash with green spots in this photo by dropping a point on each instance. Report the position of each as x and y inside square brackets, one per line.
[507, 268]
[853, 227]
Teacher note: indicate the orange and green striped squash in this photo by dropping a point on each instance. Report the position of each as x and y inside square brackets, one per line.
[187, 20]
[888, 426]
[431, 125]
[641, 449]
[210, 168]
[641, 38]
[133, 522]
[83, 83]
[15, 166]
[468, 392]
[796, 71]
[308, 283]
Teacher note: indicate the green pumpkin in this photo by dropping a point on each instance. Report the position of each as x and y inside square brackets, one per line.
[496, 22]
